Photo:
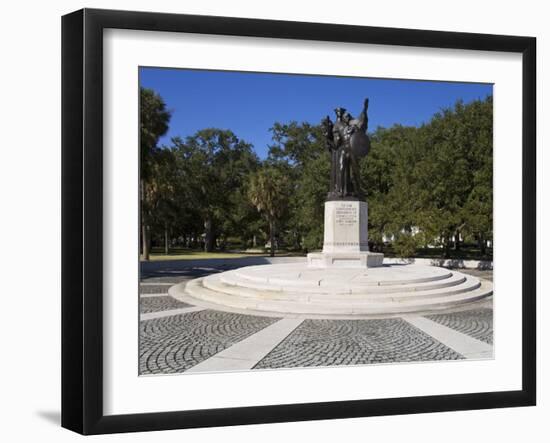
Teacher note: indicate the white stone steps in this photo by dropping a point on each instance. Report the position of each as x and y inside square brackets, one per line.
[215, 283]
[288, 275]
[372, 307]
[392, 282]
[457, 283]
[464, 284]
[299, 281]
[295, 289]
[453, 280]
[233, 279]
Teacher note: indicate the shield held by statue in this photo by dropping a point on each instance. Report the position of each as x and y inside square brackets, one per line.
[359, 144]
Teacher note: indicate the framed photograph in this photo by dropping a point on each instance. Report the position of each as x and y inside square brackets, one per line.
[269, 221]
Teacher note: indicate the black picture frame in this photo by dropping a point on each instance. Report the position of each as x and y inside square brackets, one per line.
[82, 218]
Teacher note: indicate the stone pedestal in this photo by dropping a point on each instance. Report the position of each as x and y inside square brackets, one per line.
[345, 242]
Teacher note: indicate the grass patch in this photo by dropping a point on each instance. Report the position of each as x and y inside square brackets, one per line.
[157, 254]
[188, 254]
[198, 255]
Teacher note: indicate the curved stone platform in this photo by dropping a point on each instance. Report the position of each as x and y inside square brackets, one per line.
[293, 289]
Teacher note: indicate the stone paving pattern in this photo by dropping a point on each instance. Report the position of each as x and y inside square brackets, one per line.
[183, 274]
[160, 303]
[477, 323]
[153, 289]
[355, 342]
[175, 343]
[486, 274]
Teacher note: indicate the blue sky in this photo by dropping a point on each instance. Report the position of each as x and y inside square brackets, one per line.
[249, 103]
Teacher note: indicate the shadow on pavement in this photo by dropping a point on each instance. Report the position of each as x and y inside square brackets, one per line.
[202, 267]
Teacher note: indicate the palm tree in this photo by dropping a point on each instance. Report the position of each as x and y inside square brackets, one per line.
[154, 119]
[269, 191]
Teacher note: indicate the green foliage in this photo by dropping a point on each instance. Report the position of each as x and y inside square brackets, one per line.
[160, 191]
[296, 143]
[154, 182]
[154, 119]
[213, 167]
[436, 178]
[308, 202]
[405, 245]
[269, 191]
[425, 185]
[299, 151]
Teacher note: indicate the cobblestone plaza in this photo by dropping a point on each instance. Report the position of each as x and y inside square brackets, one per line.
[176, 337]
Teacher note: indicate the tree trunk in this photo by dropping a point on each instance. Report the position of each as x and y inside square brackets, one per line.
[447, 247]
[457, 240]
[482, 244]
[166, 241]
[272, 237]
[145, 241]
[208, 238]
[144, 227]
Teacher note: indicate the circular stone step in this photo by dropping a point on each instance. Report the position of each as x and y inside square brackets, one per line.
[327, 286]
[298, 274]
[295, 289]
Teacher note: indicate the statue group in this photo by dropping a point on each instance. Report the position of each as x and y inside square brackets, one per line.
[347, 142]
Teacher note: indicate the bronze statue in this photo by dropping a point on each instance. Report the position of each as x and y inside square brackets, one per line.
[347, 142]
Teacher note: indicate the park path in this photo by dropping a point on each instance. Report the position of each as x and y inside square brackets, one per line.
[247, 353]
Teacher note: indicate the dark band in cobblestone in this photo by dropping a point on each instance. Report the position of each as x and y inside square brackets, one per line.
[153, 289]
[174, 280]
[161, 303]
[354, 342]
[477, 323]
[176, 343]
[182, 274]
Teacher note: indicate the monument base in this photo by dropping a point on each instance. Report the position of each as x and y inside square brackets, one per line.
[345, 242]
[294, 290]
[345, 259]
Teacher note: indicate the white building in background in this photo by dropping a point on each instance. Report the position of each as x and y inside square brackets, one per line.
[416, 230]
[389, 239]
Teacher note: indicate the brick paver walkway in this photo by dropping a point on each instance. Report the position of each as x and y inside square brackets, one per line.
[183, 337]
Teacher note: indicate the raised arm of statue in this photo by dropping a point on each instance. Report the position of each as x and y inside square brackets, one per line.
[363, 119]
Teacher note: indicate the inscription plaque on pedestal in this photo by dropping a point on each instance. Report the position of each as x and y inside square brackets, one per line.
[346, 226]
[345, 242]
[346, 214]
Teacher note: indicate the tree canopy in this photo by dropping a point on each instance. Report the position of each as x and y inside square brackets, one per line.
[426, 186]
